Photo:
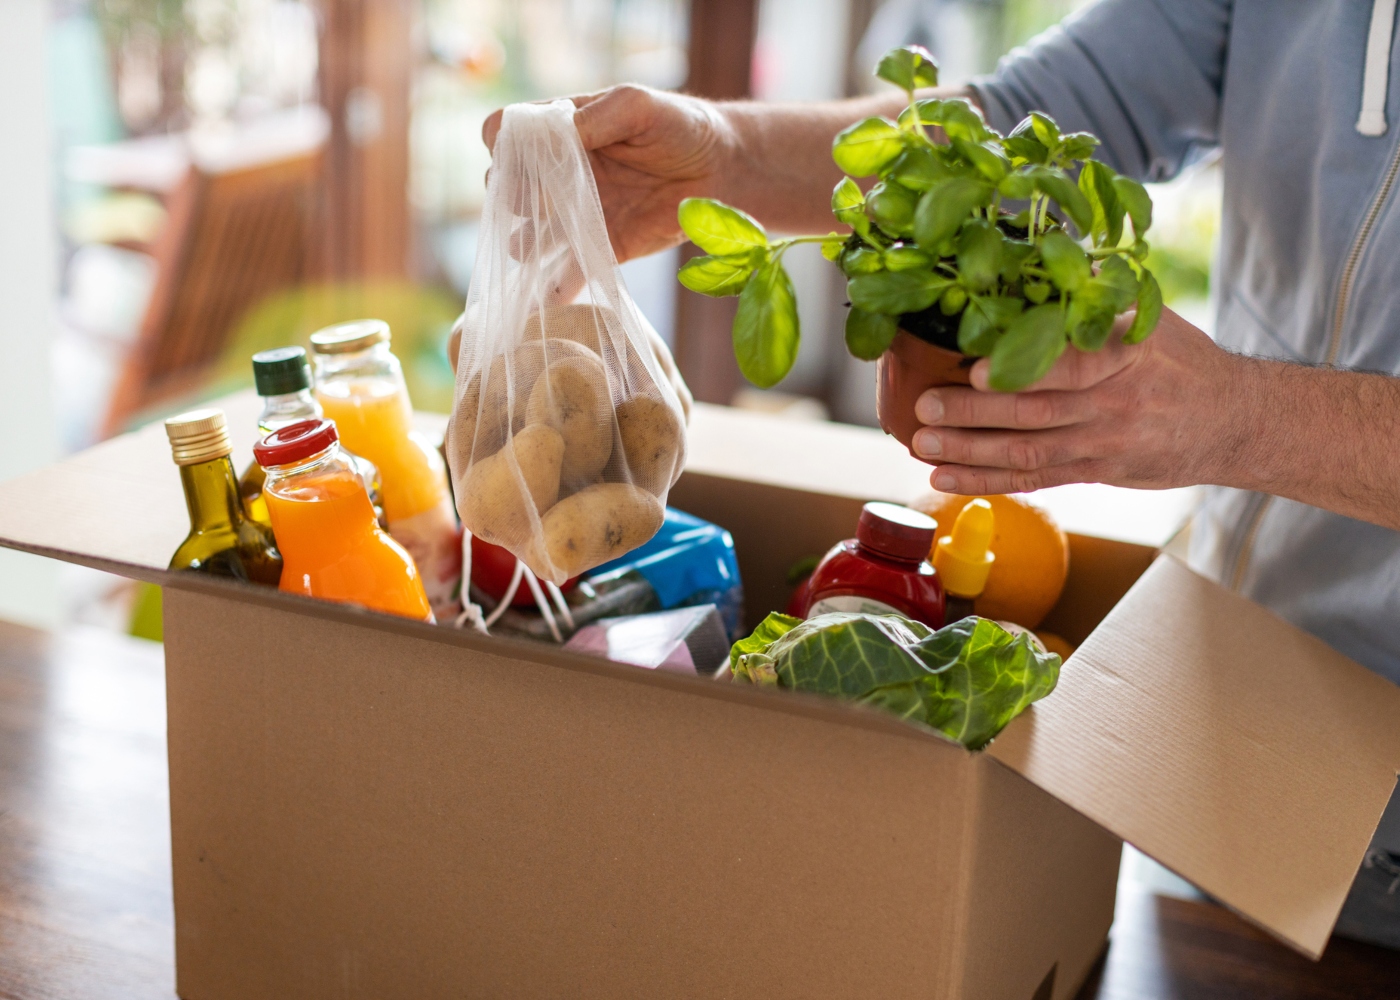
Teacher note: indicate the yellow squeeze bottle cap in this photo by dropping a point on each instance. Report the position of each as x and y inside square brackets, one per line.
[963, 557]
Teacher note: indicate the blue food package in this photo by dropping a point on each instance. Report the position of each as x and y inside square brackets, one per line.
[687, 562]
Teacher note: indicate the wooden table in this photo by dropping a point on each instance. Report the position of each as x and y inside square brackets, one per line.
[85, 908]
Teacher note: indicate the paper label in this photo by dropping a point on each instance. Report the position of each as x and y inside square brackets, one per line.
[851, 603]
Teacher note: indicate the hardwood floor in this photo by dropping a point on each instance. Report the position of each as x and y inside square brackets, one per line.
[85, 911]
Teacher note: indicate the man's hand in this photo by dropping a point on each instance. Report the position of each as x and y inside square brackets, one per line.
[1170, 411]
[649, 149]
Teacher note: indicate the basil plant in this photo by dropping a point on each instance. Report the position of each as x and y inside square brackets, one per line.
[995, 232]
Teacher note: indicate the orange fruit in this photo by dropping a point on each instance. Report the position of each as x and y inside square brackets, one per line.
[1032, 556]
[1054, 644]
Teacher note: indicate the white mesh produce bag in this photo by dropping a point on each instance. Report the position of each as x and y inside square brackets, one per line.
[568, 428]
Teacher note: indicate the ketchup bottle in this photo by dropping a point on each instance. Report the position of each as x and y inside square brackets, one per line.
[883, 570]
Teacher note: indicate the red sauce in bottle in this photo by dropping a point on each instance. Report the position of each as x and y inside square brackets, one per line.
[884, 569]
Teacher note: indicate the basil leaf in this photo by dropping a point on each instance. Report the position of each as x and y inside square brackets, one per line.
[1078, 146]
[1014, 253]
[1045, 129]
[979, 254]
[1139, 205]
[1056, 184]
[1065, 260]
[1025, 147]
[909, 68]
[905, 258]
[766, 329]
[987, 157]
[943, 208]
[960, 120]
[1149, 310]
[1090, 321]
[1031, 344]
[862, 260]
[718, 229]
[917, 168]
[833, 246]
[983, 320]
[719, 276]
[892, 207]
[868, 334]
[867, 146]
[1096, 184]
[896, 292]
[1016, 186]
[1117, 277]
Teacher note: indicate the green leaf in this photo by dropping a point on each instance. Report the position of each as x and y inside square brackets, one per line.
[1138, 203]
[979, 254]
[1117, 278]
[892, 207]
[944, 208]
[1030, 345]
[1056, 184]
[1065, 260]
[983, 320]
[862, 260]
[1089, 320]
[1014, 253]
[960, 120]
[917, 168]
[1096, 184]
[896, 292]
[1045, 129]
[1078, 146]
[718, 229]
[1016, 186]
[1025, 147]
[769, 631]
[987, 157]
[833, 246]
[906, 258]
[909, 68]
[867, 146]
[967, 680]
[719, 276]
[868, 334]
[1149, 310]
[845, 196]
[766, 330]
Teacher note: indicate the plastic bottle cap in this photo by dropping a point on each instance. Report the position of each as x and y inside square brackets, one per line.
[281, 371]
[345, 338]
[198, 436]
[295, 442]
[963, 557]
[896, 532]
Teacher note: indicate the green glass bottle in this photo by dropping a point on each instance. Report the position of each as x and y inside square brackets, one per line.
[222, 541]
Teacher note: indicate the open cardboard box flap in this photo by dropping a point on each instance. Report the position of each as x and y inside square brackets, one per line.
[1235, 749]
[1239, 751]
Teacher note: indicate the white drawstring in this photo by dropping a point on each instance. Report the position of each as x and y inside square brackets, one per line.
[1376, 80]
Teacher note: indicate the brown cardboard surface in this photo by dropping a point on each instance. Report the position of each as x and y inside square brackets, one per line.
[1237, 750]
[359, 813]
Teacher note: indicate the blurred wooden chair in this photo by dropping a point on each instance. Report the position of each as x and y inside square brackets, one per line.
[240, 227]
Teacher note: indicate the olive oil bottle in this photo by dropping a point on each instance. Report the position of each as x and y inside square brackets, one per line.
[222, 541]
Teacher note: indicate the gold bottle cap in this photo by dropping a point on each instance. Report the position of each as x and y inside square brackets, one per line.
[356, 335]
[198, 436]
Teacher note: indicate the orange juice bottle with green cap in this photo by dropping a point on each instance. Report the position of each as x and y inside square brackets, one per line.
[332, 546]
[360, 386]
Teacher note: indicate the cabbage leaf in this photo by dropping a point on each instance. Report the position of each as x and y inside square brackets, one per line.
[967, 680]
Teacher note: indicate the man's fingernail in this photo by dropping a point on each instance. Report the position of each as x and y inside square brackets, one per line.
[928, 444]
[944, 481]
[929, 408]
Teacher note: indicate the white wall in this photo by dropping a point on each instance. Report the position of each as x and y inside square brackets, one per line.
[28, 584]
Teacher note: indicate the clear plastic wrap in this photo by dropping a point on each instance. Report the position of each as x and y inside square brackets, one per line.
[568, 428]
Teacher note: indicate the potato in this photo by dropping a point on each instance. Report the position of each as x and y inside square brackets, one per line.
[501, 489]
[572, 397]
[598, 523]
[652, 441]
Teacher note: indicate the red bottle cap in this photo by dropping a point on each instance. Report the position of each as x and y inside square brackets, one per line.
[896, 532]
[295, 442]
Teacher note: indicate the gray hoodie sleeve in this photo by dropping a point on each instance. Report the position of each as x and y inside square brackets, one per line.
[1145, 76]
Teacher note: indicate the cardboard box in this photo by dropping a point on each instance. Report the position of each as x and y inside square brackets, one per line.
[368, 807]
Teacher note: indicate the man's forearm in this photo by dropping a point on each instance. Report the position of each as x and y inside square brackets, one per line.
[1326, 438]
[781, 170]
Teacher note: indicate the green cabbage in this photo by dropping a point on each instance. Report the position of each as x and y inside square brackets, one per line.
[967, 680]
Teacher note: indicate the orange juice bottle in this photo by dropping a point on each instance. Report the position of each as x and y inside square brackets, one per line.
[332, 546]
[360, 386]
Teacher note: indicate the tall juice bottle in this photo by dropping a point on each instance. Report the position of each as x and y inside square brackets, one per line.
[282, 378]
[222, 540]
[360, 386]
[332, 545]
